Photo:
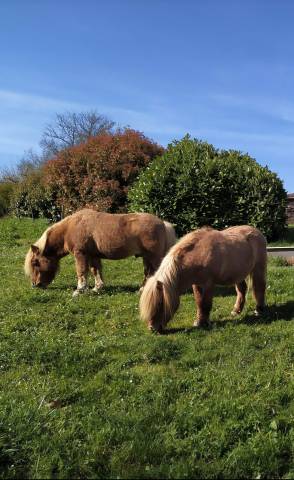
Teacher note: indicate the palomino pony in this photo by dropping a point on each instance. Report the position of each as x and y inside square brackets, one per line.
[204, 258]
[90, 236]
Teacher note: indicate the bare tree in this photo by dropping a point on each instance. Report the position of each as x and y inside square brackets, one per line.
[30, 162]
[70, 129]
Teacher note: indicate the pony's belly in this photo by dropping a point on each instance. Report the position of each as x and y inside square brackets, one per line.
[232, 279]
[118, 248]
[119, 253]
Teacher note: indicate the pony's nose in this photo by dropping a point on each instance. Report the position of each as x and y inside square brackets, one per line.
[33, 285]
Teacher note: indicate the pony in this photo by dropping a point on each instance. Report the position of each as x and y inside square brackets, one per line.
[202, 259]
[91, 236]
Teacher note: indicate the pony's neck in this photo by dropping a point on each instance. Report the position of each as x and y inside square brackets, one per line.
[55, 243]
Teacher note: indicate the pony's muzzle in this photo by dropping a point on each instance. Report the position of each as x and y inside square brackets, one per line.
[155, 328]
[38, 285]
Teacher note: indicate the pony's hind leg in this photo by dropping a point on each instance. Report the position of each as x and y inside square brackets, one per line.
[259, 286]
[96, 269]
[241, 289]
[82, 269]
[203, 298]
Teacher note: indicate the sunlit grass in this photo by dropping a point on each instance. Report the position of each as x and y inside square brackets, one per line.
[87, 391]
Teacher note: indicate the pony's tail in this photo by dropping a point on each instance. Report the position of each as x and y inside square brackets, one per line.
[170, 236]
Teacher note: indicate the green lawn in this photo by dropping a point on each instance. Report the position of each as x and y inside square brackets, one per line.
[87, 391]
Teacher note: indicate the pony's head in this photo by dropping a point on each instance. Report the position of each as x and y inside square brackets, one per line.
[158, 304]
[40, 268]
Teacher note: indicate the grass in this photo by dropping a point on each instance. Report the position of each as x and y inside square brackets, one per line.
[87, 392]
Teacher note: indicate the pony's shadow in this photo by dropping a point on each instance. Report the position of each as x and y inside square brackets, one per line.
[185, 330]
[62, 287]
[272, 313]
[112, 289]
[107, 289]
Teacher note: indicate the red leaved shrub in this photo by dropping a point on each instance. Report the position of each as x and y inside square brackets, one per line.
[98, 173]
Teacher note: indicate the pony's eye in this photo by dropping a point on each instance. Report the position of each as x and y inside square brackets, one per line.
[35, 263]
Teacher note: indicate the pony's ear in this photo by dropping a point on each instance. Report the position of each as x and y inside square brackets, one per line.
[159, 285]
[35, 249]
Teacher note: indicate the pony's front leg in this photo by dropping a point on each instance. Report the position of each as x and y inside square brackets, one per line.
[96, 269]
[82, 268]
[203, 299]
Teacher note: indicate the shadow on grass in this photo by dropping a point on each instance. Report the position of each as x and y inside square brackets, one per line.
[272, 313]
[218, 291]
[187, 331]
[109, 289]
[106, 290]
[62, 287]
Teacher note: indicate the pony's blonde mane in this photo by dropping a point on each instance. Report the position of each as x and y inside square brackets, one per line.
[166, 276]
[41, 244]
[27, 264]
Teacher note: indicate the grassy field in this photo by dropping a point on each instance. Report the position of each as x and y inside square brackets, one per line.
[86, 391]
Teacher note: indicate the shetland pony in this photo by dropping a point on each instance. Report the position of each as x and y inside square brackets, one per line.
[202, 259]
[91, 236]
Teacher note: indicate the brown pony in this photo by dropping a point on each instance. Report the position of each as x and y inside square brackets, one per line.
[90, 236]
[205, 258]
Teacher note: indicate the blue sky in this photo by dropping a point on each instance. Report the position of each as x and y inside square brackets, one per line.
[220, 70]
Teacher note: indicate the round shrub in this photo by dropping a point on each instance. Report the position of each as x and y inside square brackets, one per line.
[193, 184]
[98, 173]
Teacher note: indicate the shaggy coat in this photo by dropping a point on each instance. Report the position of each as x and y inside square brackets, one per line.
[202, 259]
[91, 236]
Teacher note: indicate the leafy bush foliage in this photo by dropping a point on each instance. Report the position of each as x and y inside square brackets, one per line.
[192, 184]
[6, 189]
[31, 198]
[99, 172]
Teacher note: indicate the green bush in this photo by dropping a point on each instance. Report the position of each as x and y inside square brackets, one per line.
[192, 184]
[31, 198]
[6, 190]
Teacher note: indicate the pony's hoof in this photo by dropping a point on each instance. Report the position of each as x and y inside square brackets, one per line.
[234, 313]
[78, 292]
[204, 325]
[97, 289]
[259, 310]
[155, 330]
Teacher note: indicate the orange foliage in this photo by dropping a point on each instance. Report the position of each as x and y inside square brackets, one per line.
[99, 172]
